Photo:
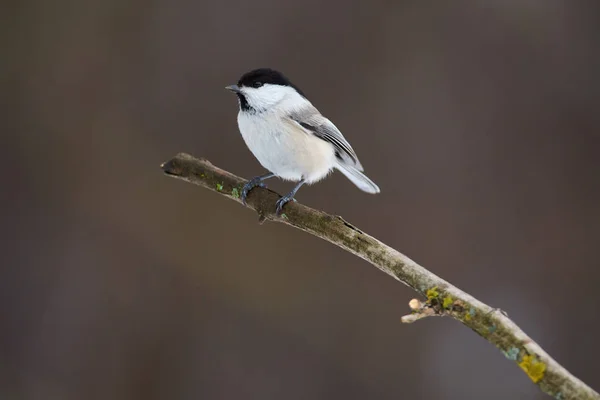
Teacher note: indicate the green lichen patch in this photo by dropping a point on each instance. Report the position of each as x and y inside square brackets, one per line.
[235, 193]
[219, 187]
[512, 353]
[533, 367]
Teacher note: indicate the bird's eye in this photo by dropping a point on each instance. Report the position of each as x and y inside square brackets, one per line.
[257, 84]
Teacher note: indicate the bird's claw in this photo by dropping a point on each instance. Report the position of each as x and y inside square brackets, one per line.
[252, 183]
[281, 202]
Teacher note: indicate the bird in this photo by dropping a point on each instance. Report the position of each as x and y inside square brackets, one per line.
[289, 137]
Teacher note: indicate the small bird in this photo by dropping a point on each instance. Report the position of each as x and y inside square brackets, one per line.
[289, 136]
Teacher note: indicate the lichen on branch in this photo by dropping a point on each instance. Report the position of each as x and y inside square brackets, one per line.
[440, 297]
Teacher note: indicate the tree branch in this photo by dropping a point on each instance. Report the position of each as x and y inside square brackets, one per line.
[441, 297]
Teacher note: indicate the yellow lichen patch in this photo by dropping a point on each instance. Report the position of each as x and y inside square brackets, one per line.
[533, 367]
[448, 301]
[433, 293]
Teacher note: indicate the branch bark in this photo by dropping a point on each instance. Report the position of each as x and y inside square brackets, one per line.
[440, 297]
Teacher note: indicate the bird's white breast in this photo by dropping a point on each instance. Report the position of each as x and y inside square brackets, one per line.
[285, 148]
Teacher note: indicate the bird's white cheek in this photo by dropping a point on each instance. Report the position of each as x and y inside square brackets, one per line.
[261, 99]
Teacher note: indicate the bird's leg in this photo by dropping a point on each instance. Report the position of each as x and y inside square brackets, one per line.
[290, 196]
[254, 182]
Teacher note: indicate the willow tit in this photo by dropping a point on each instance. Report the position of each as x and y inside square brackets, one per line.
[289, 136]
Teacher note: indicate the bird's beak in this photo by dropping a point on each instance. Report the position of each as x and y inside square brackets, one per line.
[233, 88]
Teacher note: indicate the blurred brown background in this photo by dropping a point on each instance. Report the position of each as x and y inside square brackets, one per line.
[479, 120]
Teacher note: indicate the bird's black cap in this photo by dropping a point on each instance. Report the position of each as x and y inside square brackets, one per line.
[260, 76]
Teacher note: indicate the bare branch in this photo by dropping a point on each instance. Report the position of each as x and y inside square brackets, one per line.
[442, 298]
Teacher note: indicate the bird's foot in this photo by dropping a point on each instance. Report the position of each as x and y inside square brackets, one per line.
[281, 202]
[252, 183]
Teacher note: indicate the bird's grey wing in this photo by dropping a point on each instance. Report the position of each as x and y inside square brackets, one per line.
[312, 121]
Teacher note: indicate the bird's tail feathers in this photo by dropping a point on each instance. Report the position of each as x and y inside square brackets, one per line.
[358, 178]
